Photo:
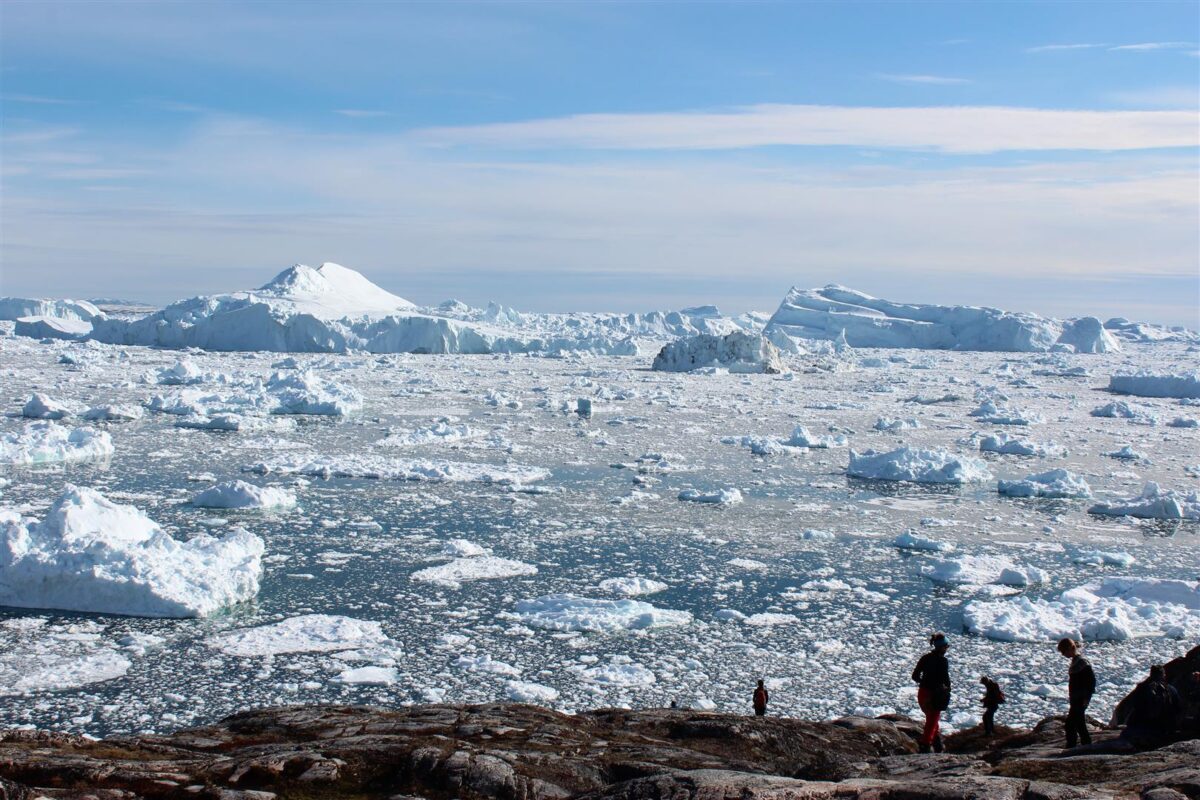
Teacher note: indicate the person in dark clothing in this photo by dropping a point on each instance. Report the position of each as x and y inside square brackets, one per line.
[1155, 712]
[932, 675]
[1080, 688]
[760, 700]
[993, 696]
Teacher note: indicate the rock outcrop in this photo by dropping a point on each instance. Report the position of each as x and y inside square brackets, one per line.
[521, 752]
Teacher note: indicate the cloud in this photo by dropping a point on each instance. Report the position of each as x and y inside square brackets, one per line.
[1158, 97]
[1154, 46]
[949, 129]
[932, 80]
[1054, 48]
[35, 99]
[360, 113]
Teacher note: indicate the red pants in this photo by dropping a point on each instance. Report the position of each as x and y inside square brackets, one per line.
[933, 716]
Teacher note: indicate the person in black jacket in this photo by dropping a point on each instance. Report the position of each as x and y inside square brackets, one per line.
[993, 696]
[759, 700]
[1081, 686]
[932, 675]
[1155, 711]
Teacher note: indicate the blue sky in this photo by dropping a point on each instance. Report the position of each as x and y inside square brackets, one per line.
[557, 156]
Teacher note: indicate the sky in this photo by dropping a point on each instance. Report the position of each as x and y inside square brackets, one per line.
[608, 156]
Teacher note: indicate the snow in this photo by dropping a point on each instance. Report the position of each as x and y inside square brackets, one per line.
[475, 568]
[722, 497]
[1114, 609]
[49, 442]
[917, 465]
[1015, 446]
[1149, 384]
[309, 633]
[568, 612]
[240, 494]
[398, 469]
[90, 554]
[1153, 503]
[864, 321]
[42, 407]
[1052, 483]
[981, 569]
[737, 352]
[632, 587]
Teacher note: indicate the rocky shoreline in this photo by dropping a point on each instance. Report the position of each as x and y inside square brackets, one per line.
[523, 752]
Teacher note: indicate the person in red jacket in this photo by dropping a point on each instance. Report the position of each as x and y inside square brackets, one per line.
[933, 691]
[760, 700]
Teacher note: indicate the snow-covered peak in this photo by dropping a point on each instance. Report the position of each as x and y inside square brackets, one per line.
[335, 289]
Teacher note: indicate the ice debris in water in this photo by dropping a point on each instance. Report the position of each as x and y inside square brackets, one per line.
[721, 497]
[41, 406]
[1014, 446]
[568, 612]
[911, 540]
[981, 569]
[240, 494]
[48, 442]
[90, 554]
[1114, 609]
[114, 413]
[473, 568]
[1153, 503]
[633, 586]
[989, 411]
[1099, 558]
[895, 425]
[917, 465]
[310, 633]
[1052, 483]
[398, 469]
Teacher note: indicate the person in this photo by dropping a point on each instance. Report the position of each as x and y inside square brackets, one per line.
[932, 675]
[1081, 685]
[1155, 710]
[993, 696]
[761, 697]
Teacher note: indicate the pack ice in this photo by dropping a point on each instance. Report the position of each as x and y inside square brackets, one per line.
[90, 554]
[865, 321]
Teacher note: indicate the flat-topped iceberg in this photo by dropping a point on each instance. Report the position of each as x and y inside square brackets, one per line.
[240, 494]
[1015, 446]
[917, 465]
[568, 612]
[1052, 483]
[14, 308]
[981, 569]
[49, 442]
[310, 633]
[836, 312]
[90, 554]
[1114, 609]
[454, 573]
[1150, 384]
[737, 352]
[1153, 503]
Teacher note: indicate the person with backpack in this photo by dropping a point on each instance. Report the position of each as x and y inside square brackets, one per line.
[760, 700]
[932, 675]
[993, 696]
[1081, 685]
[1154, 712]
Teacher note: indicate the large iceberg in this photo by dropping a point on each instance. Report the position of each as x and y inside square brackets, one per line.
[1153, 503]
[917, 465]
[835, 312]
[1149, 384]
[90, 554]
[49, 442]
[736, 352]
[1114, 609]
[14, 308]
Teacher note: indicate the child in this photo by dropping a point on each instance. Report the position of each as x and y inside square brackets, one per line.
[993, 696]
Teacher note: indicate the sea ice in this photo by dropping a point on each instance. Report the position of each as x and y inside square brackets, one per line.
[42, 407]
[240, 494]
[48, 442]
[981, 570]
[917, 465]
[568, 612]
[1015, 446]
[526, 692]
[310, 633]
[1153, 503]
[475, 568]
[368, 676]
[910, 540]
[723, 497]
[398, 469]
[1053, 483]
[114, 413]
[632, 587]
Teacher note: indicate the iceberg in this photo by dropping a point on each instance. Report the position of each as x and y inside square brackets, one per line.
[240, 494]
[1053, 483]
[42, 407]
[1149, 384]
[310, 633]
[1014, 446]
[737, 352]
[917, 465]
[52, 328]
[90, 554]
[48, 442]
[835, 312]
[1153, 503]
[568, 612]
[398, 469]
[1114, 609]
[15, 308]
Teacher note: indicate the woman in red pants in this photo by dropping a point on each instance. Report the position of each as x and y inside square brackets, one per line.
[933, 690]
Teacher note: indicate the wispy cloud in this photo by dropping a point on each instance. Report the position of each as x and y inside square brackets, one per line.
[360, 113]
[950, 129]
[1154, 46]
[1052, 48]
[34, 99]
[1158, 97]
[932, 80]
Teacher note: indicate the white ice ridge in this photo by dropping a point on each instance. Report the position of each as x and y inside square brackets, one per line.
[398, 469]
[1052, 483]
[473, 568]
[48, 442]
[1149, 384]
[90, 554]
[240, 494]
[1113, 609]
[1153, 503]
[865, 321]
[310, 633]
[736, 352]
[568, 612]
[918, 466]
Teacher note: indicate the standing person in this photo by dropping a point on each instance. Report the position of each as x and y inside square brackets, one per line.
[1155, 711]
[1080, 688]
[760, 700]
[993, 696]
[932, 675]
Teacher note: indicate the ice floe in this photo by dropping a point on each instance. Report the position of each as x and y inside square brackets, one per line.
[309, 633]
[398, 469]
[917, 465]
[633, 586]
[474, 568]
[1008, 444]
[1052, 483]
[240, 494]
[1153, 503]
[719, 497]
[568, 612]
[982, 569]
[49, 442]
[42, 407]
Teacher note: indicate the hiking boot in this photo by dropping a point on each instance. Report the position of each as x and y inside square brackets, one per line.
[938, 747]
[923, 748]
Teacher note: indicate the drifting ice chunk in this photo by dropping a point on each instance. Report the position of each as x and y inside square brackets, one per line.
[18, 307]
[1126, 453]
[723, 497]
[475, 568]
[1114, 609]
[736, 352]
[239, 494]
[464, 548]
[307, 393]
[618, 673]
[568, 612]
[90, 554]
[42, 407]
[632, 587]
[48, 442]
[181, 373]
[917, 465]
[909, 540]
[441, 432]
[525, 692]
[399, 469]
[1153, 503]
[982, 570]
[368, 676]
[486, 663]
[1119, 409]
[1054, 483]
[311, 633]
[1014, 446]
[1100, 558]
[1148, 384]
[114, 413]
[802, 438]
[890, 424]
[989, 411]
